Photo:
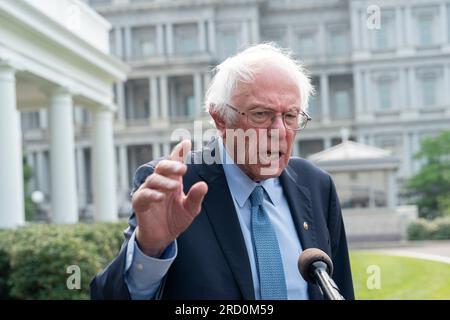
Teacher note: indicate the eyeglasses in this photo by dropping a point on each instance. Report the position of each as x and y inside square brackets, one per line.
[263, 118]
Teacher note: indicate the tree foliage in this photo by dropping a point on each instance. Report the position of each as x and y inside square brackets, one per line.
[430, 187]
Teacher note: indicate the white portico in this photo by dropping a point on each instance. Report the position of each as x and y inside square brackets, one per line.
[365, 179]
[54, 55]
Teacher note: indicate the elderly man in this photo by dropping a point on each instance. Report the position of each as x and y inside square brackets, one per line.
[233, 229]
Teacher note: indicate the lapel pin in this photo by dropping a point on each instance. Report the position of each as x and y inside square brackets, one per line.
[305, 225]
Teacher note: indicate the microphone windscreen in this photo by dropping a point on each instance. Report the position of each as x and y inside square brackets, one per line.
[308, 257]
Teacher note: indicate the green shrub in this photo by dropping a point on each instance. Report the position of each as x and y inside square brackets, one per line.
[6, 242]
[34, 259]
[422, 229]
[40, 271]
[419, 230]
[442, 229]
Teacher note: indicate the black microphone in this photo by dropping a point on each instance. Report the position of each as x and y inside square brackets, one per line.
[316, 267]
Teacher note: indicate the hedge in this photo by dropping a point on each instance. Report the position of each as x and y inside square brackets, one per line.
[437, 229]
[34, 260]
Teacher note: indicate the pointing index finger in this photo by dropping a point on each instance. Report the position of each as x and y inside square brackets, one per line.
[181, 151]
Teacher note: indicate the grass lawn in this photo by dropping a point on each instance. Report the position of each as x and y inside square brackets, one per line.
[400, 277]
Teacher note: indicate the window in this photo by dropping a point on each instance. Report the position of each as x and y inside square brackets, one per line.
[306, 44]
[309, 147]
[228, 40]
[183, 103]
[429, 91]
[342, 104]
[144, 42]
[30, 120]
[384, 38]
[381, 38]
[338, 42]
[385, 95]
[426, 30]
[190, 106]
[186, 38]
[313, 108]
[275, 34]
[426, 23]
[137, 107]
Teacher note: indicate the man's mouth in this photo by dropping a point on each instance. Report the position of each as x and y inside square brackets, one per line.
[271, 154]
[269, 157]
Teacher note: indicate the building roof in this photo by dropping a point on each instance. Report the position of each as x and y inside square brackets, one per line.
[351, 155]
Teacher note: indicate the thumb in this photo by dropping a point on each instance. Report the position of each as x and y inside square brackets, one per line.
[193, 201]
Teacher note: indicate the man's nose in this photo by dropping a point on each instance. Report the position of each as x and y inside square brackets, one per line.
[278, 124]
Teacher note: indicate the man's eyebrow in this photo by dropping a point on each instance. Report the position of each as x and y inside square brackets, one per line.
[257, 105]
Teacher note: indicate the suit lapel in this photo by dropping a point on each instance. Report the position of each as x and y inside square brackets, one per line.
[220, 210]
[299, 200]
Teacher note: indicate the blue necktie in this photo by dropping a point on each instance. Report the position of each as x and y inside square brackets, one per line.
[267, 252]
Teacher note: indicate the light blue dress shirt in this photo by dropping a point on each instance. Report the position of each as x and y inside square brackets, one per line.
[143, 274]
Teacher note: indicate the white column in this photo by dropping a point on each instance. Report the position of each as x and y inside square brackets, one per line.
[198, 93]
[156, 150]
[81, 176]
[104, 166]
[201, 36]
[370, 140]
[245, 34]
[43, 118]
[368, 92]
[407, 155]
[130, 101]
[446, 90]
[206, 82]
[324, 98]
[296, 149]
[415, 147]
[125, 183]
[166, 149]
[322, 41]
[409, 31]
[371, 192]
[444, 22]
[212, 36]
[357, 82]
[62, 158]
[402, 92]
[32, 164]
[12, 212]
[361, 139]
[160, 39]
[41, 173]
[399, 26]
[327, 143]
[412, 90]
[355, 30]
[164, 96]
[118, 41]
[363, 29]
[255, 30]
[121, 112]
[169, 39]
[128, 43]
[154, 97]
[391, 189]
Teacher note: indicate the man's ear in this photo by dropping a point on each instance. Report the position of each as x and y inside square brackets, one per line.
[218, 120]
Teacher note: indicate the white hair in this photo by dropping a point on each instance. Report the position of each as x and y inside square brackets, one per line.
[243, 67]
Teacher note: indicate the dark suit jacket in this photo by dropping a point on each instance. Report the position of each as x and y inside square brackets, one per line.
[212, 261]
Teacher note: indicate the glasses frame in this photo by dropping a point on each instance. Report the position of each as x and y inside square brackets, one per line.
[301, 113]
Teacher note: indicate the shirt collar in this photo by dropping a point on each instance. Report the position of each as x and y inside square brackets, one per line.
[241, 186]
